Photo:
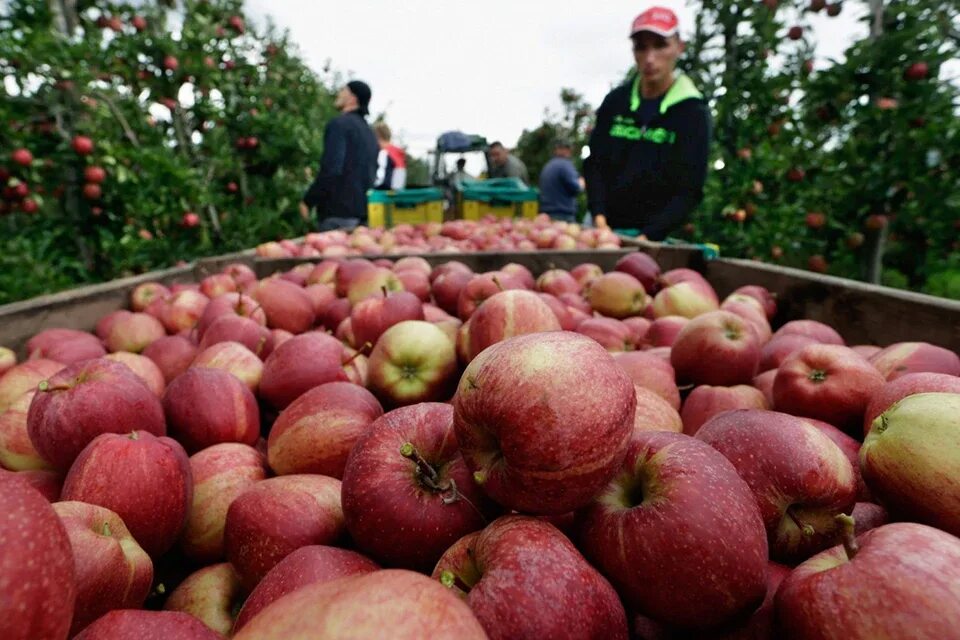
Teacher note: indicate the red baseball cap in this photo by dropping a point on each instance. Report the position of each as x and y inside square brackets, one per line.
[658, 20]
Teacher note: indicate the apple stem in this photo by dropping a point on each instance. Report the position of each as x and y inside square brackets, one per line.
[260, 345]
[106, 529]
[848, 535]
[45, 385]
[807, 529]
[359, 353]
[450, 580]
[424, 468]
[384, 289]
[496, 281]
[133, 435]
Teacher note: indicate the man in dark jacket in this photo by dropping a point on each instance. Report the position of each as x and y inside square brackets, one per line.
[349, 164]
[648, 149]
[560, 184]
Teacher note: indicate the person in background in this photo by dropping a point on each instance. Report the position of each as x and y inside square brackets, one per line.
[348, 166]
[459, 177]
[391, 161]
[649, 146]
[504, 164]
[560, 184]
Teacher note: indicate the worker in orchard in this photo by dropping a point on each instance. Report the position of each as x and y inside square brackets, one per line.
[648, 148]
[349, 164]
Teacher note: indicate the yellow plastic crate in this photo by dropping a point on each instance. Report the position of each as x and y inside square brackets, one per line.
[475, 209]
[409, 206]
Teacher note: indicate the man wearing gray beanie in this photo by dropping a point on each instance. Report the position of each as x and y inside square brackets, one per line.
[349, 164]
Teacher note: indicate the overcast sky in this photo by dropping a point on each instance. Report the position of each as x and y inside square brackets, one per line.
[488, 68]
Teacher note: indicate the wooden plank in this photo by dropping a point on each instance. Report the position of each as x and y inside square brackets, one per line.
[78, 308]
[862, 313]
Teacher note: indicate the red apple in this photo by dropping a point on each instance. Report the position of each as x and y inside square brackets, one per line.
[850, 448]
[212, 595]
[231, 304]
[642, 267]
[217, 284]
[800, 478]
[370, 317]
[372, 282]
[522, 274]
[347, 271]
[586, 273]
[557, 281]
[413, 263]
[144, 294]
[774, 352]
[867, 516]
[38, 586]
[560, 311]
[688, 299]
[317, 431]
[654, 413]
[521, 409]
[136, 624]
[112, 571]
[750, 310]
[235, 328]
[220, 474]
[717, 348]
[449, 267]
[234, 358]
[8, 360]
[67, 346]
[413, 361]
[300, 364]
[172, 355]
[85, 400]
[764, 382]
[336, 312]
[828, 382]
[481, 287]
[447, 286]
[82, 145]
[651, 372]
[146, 480]
[676, 512]
[904, 386]
[205, 407]
[617, 295]
[287, 305]
[866, 350]
[832, 595]
[766, 299]
[143, 367]
[17, 453]
[508, 314]
[277, 516]
[911, 462]
[613, 335]
[303, 567]
[48, 483]
[638, 330]
[409, 606]
[915, 357]
[183, 310]
[663, 331]
[706, 401]
[407, 494]
[817, 330]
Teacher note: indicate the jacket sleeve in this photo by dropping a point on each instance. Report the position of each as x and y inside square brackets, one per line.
[331, 165]
[570, 182]
[592, 167]
[688, 172]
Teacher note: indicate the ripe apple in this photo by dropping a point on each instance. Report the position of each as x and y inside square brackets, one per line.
[508, 314]
[112, 570]
[764, 382]
[800, 478]
[217, 284]
[642, 267]
[776, 350]
[717, 348]
[612, 334]
[48, 483]
[317, 431]
[676, 276]
[654, 413]
[172, 355]
[751, 310]
[902, 358]
[143, 367]
[148, 625]
[335, 313]
[762, 295]
[38, 587]
[82, 145]
[409, 606]
[560, 310]
[8, 360]
[587, 272]
[515, 596]
[370, 317]
[413, 361]
[183, 310]
[829, 595]
[372, 282]
[300, 364]
[617, 295]
[303, 567]
[522, 274]
[220, 473]
[910, 459]
[866, 350]
[480, 287]
[557, 281]
[234, 358]
[663, 331]
[416, 282]
[817, 330]
[521, 409]
[274, 517]
[21, 156]
[212, 595]
[205, 407]
[651, 372]
[904, 386]
[133, 332]
[916, 71]
[413, 263]
[447, 286]
[146, 480]
[706, 401]
[828, 382]
[66, 346]
[87, 399]
[688, 299]
[17, 453]
[235, 328]
[287, 305]
[231, 304]
[671, 483]
[850, 448]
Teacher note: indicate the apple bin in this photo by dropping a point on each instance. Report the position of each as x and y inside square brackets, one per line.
[627, 442]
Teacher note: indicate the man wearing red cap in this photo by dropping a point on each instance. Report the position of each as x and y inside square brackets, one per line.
[648, 149]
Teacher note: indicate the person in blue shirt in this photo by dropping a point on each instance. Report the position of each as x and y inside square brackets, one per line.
[560, 184]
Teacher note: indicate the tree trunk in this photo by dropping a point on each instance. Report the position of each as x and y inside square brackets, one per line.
[875, 240]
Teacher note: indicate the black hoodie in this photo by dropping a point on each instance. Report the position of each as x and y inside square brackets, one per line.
[648, 176]
[347, 170]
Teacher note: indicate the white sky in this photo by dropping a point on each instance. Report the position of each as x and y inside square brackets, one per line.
[488, 68]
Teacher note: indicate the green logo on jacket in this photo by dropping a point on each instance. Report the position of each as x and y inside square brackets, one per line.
[633, 132]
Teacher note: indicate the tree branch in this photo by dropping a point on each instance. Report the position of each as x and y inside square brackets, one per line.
[124, 124]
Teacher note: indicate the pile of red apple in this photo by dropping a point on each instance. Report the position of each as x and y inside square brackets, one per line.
[456, 236]
[377, 449]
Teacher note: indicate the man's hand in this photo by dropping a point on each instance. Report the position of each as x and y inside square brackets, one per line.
[582, 183]
[304, 210]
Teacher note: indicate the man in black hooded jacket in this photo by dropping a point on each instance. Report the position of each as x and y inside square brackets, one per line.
[648, 149]
[349, 164]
